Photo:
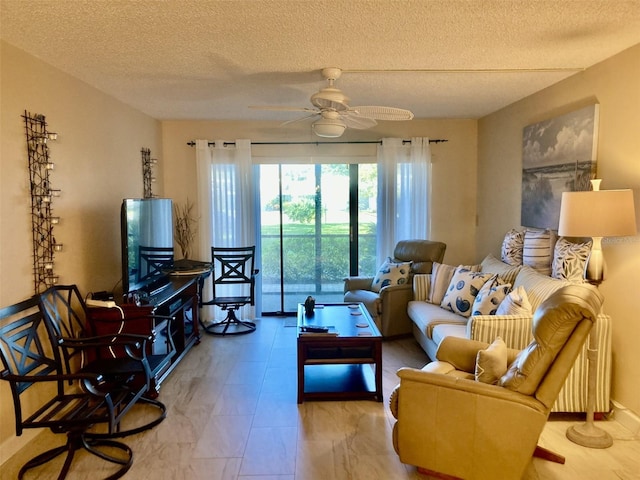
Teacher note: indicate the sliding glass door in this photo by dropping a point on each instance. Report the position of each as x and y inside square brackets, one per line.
[318, 225]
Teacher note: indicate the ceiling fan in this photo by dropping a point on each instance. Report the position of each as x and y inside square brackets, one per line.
[335, 113]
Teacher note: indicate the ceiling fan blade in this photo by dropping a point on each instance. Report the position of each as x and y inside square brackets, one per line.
[284, 109]
[354, 120]
[299, 119]
[383, 113]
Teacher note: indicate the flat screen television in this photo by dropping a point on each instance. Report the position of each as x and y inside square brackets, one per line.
[147, 242]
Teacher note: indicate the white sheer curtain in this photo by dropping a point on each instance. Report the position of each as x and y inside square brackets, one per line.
[227, 204]
[403, 192]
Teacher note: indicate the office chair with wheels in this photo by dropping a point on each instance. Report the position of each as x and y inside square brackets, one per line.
[234, 278]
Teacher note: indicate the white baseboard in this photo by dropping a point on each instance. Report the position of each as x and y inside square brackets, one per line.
[626, 418]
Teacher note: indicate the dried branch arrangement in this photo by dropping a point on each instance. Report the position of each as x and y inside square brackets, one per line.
[186, 226]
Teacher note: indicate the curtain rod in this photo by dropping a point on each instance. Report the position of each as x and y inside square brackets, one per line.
[379, 142]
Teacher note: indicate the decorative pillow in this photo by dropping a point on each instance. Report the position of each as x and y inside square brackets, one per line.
[515, 303]
[391, 273]
[512, 246]
[463, 289]
[505, 271]
[538, 250]
[421, 286]
[491, 364]
[570, 260]
[490, 296]
[440, 278]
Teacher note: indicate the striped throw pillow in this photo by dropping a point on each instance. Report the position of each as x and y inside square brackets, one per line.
[440, 278]
[538, 249]
[421, 286]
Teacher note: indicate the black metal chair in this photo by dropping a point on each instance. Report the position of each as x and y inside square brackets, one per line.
[32, 364]
[234, 278]
[154, 261]
[122, 359]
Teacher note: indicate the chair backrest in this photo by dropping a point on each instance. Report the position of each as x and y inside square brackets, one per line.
[421, 252]
[233, 266]
[154, 261]
[66, 317]
[25, 349]
[561, 325]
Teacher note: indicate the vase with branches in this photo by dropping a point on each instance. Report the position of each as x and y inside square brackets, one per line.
[185, 226]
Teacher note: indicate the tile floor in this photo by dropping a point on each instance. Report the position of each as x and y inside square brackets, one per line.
[233, 415]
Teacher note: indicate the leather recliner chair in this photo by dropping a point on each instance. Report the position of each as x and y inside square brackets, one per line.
[449, 423]
[388, 308]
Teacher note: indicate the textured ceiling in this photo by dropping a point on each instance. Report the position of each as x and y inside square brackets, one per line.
[196, 59]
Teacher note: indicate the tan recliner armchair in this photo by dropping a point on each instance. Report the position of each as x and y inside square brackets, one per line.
[447, 422]
[388, 308]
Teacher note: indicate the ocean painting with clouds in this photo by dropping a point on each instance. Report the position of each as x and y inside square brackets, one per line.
[558, 155]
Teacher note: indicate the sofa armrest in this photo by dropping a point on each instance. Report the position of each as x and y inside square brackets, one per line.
[394, 300]
[460, 352]
[357, 283]
[397, 292]
[515, 330]
[420, 379]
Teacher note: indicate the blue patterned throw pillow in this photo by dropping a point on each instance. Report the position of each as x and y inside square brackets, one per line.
[490, 296]
[463, 290]
[391, 273]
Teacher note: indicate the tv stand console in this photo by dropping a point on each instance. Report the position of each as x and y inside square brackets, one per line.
[170, 317]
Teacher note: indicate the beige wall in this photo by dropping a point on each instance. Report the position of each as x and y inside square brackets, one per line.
[453, 171]
[615, 85]
[97, 164]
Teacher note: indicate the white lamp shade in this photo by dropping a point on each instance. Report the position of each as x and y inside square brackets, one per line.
[601, 213]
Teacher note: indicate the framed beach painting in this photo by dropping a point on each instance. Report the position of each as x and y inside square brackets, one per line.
[559, 155]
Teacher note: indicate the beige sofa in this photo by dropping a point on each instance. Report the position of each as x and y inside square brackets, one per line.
[432, 324]
[450, 423]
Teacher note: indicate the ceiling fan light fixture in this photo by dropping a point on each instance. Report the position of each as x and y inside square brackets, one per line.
[329, 127]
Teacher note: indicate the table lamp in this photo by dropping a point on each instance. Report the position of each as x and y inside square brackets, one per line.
[596, 214]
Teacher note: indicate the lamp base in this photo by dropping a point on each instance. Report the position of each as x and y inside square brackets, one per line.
[588, 435]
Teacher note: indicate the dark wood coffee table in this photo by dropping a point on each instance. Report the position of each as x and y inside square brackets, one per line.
[343, 366]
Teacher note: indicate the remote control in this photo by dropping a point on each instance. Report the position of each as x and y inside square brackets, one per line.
[315, 329]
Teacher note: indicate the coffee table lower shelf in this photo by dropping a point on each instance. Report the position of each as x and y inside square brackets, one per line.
[338, 382]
